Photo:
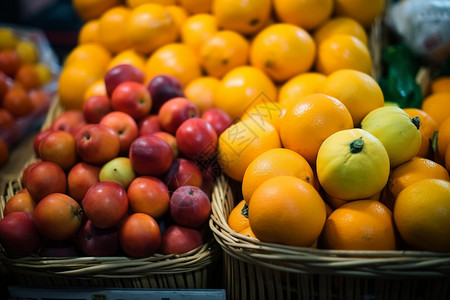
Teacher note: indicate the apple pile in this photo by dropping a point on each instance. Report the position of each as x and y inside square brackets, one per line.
[131, 173]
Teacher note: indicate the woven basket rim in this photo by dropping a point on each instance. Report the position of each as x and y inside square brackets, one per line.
[398, 263]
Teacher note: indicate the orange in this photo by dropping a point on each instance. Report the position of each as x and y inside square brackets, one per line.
[343, 51]
[309, 121]
[243, 87]
[287, 210]
[201, 92]
[267, 111]
[359, 92]
[73, 82]
[27, 76]
[136, 3]
[440, 85]
[307, 14]
[224, 51]
[299, 86]
[151, 26]
[272, 163]
[283, 51]
[352, 164]
[335, 202]
[112, 30]
[89, 32]
[95, 89]
[176, 59]
[128, 56]
[4, 153]
[89, 53]
[410, 172]
[248, 232]
[91, 9]
[422, 215]
[437, 105]
[241, 143]
[179, 15]
[238, 217]
[245, 17]
[196, 6]
[340, 25]
[360, 225]
[443, 139]
[197, 29]
[428, 127]
[365, 12]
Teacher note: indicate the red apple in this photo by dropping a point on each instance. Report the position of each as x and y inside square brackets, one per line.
[70, 120]
[94, 241]
[178, 239]
[139, 235]
[150, 155]
[58, 216]
[97, 143]
[148, 195]
[19, 235]
[21, 201]
[27, 170]
[59, 147]
[189, 206]
[170, 139]
[80, 178]
[196, 139]
[105, 204]
[149, 124]
[162, 88]
[44, 178]
[218, 119]
[121, 73]
[183, 172]
[96, 107]
[38, 138]
[125, 126]
[175, 111]
[58, 249]
[132, 98]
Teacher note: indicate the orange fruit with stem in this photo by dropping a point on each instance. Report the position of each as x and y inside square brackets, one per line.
[428, 127]
[238, 217]
[360, 225]
[308, 121]
[422, 215]
[271, 221]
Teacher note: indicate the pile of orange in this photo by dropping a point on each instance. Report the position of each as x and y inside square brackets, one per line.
[295, 76]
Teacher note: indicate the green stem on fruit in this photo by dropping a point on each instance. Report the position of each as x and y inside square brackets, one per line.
[357, 145]
[416, 121]
[244, 210]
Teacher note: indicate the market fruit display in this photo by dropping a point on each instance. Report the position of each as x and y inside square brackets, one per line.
[277, 96]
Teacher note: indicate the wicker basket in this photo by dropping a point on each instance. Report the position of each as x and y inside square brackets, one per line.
[196, 269]
[258, 270]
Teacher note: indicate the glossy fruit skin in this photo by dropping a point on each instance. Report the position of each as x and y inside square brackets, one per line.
[149, 195]
[58, 216]
[150, 155]
[43, 178]
[189, 206]
[19, 235]
[352, 164]
[105, 204]
[178, 239]
[139, 235]
[397, 131]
